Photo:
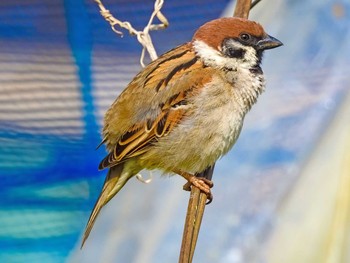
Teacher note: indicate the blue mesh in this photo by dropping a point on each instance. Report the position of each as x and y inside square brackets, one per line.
[61, 66]
[51, 112]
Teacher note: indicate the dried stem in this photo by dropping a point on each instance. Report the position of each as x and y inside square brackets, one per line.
[197, 201]
[195, 211]
[242, 8]
[254, 4]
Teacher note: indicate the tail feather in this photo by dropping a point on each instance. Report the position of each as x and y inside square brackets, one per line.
[115, 180]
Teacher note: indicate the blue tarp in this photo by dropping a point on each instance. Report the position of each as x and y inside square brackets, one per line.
[61, 66]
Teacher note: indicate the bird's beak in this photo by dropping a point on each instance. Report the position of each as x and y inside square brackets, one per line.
[268, 42]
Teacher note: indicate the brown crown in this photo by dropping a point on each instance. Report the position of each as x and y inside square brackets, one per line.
[215, 31]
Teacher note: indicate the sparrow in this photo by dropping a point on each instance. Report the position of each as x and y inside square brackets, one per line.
[185, 110]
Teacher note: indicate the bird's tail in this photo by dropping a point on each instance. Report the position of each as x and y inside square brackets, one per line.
[115, 180]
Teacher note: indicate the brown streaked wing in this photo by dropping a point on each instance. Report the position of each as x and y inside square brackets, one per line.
[140, 98]
[180, 81]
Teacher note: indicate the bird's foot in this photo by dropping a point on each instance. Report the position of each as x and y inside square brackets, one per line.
[201, 183]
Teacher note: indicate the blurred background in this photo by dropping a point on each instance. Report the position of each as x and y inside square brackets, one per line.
[281, 195]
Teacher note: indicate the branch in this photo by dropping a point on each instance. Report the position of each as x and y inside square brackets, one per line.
[242, 8]
[254, 4]
[197, 201]
[195, 211]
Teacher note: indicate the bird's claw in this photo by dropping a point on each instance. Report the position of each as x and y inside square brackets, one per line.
[202, 184]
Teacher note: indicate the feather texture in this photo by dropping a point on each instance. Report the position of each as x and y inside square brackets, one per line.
[185, 109]
[172, 80]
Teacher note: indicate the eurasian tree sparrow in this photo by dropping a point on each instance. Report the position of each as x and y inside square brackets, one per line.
[185, 109]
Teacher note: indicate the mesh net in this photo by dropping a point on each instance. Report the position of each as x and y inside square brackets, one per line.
[61, 66]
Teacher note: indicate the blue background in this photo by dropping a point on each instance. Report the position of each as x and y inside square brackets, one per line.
[61, 66]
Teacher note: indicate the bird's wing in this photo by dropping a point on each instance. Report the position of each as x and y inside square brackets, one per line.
[153, 104]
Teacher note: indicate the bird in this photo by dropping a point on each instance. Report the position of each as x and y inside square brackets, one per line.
[185, 109]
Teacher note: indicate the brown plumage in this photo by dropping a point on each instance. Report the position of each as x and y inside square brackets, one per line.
[163, 114]
[185, 109]
[212, 33]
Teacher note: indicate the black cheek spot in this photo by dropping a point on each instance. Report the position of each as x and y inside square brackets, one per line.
[235, 53]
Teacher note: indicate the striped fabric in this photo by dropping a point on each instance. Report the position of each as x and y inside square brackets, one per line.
[61, 66]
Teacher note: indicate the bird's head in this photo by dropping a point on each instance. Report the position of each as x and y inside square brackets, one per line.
[232, 42]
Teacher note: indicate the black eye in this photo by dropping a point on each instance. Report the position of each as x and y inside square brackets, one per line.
[245, 37]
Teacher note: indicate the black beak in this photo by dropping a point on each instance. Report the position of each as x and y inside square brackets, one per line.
[268, 42]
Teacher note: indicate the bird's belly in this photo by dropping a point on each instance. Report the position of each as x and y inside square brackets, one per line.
[214, 136]
[198, 141]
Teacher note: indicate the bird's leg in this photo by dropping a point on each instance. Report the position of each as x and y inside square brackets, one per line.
[201, 183]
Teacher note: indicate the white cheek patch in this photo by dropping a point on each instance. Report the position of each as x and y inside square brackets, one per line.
[209, 55]
[215, 58]
[250, 58]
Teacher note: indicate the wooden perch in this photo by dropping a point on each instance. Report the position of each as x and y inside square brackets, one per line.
[197, 200]
[242, 8]
[195, 211]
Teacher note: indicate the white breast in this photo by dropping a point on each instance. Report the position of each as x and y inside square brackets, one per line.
[223, 117]
[214, 123]
[219, 113]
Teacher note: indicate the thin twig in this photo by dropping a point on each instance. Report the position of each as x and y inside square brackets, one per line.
[254, 3]
[197, 201]
[242, 8]
[195, 211]
[142, 36]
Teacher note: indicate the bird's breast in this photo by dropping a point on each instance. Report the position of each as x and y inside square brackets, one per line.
[208, 131]
[220, 113]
